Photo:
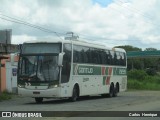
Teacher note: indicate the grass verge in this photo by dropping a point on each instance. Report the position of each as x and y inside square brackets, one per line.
[143, 85]
[5, 96]
[140, 80]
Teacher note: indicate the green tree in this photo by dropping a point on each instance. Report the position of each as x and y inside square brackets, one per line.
[129, 48]
[141, 63]
[151, 64]
[150, 49]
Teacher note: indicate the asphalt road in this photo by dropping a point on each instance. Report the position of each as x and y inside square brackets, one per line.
[126, 101]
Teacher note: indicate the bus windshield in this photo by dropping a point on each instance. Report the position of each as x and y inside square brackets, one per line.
[38, 62]
[39, 68]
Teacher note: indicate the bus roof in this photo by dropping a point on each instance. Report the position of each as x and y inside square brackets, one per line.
[78, 42]
[44, 41]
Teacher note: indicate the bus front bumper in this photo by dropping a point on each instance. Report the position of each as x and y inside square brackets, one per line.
[47, 93]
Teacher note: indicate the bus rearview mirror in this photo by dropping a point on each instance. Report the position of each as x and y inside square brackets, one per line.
[60, 59]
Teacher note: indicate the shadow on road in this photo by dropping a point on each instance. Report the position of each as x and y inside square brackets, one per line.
[66, 100]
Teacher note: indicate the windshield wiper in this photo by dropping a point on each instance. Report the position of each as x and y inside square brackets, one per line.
[37, 67]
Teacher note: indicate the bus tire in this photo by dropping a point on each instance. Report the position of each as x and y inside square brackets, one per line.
[38, 99]
[116, 90]
[111, 91]
[74, 94]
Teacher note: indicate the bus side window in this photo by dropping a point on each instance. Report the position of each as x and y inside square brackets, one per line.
[111, 57]
[107, 57]
[98, 57]
[66, 63]
[121, 61]
[100, 52]
[75, 58]
[79, 57]
[85, 56]
[84, 59]
[95, 57]
[115, 60]
[92, 56]
[124, 61]
[103, 57]
[89, 54]
[121, 58]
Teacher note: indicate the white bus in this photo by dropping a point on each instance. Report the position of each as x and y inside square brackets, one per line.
[70, 69]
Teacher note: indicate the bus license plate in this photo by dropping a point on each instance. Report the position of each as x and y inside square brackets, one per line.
[36, 92]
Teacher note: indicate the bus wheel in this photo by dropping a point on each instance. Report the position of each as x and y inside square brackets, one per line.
[74, 94]
[111, 91]
[115, 92]
[116, 89]
[38, 99]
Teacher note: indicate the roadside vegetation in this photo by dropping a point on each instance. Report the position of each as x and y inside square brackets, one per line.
[143, 73]
[5, 96]
[143, 80]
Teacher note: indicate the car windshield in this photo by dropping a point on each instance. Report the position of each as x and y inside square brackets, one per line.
[42, 68]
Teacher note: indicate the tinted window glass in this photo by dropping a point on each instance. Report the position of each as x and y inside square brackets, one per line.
[66, 63]
[36, 48]
[91, 55]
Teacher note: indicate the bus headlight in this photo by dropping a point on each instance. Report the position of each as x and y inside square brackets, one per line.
[21, 86]
[53, 86]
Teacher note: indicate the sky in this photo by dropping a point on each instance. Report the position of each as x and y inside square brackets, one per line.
[110, 22]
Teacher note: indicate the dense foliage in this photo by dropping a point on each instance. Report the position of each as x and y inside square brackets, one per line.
[143, 73]
[140, 80]
[150, 64]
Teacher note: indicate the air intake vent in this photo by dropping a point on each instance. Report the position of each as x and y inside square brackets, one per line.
[71, 36]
